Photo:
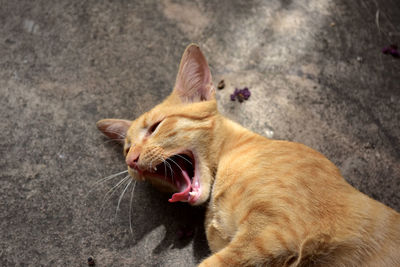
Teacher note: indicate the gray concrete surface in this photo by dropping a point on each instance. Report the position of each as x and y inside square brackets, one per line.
[314, 67]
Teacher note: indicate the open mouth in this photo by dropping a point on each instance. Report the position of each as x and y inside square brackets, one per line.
[177, 174]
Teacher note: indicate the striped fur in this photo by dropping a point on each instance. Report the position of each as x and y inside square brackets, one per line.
[270, 203]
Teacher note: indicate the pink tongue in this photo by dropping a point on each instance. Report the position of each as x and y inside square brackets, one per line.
[184, 194]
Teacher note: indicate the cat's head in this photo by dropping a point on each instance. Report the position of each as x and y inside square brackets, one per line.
[171, 145]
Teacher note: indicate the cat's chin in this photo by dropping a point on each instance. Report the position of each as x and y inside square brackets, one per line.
[178, 175]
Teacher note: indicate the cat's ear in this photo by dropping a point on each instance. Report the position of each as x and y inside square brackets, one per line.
[194, 81]
[114, 128]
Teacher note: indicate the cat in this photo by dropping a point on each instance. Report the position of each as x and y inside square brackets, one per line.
[269, 202]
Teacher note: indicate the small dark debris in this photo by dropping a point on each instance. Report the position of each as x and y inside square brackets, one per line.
[221, 85]
[369, 146]
[310, 76]
[9, 41]
[391, 50]
[90, 261]
[241, 94]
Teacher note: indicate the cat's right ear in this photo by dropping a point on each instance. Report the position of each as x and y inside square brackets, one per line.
[114, 128]
[194, 81]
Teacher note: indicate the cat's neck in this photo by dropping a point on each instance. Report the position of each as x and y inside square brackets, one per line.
[229, 134]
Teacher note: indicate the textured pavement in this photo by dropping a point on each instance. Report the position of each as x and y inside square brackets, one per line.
[314, 67]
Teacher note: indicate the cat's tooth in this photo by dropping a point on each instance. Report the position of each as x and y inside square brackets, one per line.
[193, 194]
[155, 168]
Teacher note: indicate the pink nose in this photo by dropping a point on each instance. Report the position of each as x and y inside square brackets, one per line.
[132, 160]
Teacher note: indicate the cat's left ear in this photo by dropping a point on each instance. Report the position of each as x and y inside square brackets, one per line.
[194, 81]
[114, 128]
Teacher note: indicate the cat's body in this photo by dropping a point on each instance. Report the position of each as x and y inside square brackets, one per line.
[281, 203]
[270, 203]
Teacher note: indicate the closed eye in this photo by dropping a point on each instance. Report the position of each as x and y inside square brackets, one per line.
[153, 127]
[127, 148]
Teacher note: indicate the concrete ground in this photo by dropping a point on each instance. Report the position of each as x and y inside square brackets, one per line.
[314, 67]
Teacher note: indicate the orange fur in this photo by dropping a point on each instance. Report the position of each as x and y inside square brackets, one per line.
[270, 203]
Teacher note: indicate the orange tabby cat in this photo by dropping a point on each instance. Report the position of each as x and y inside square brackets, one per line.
[270, 203]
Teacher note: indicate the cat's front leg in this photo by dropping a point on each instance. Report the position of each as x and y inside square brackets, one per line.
[236, 253]
[266, 247]
[223, 258]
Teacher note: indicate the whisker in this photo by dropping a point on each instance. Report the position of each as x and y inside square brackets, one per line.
[165, 169]
[120, 198]
[130, 206]
[184, 159]
[172, 172]
[151, 164]
[103, 180]
[170, 167]
[175, 163]
[110, 192]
